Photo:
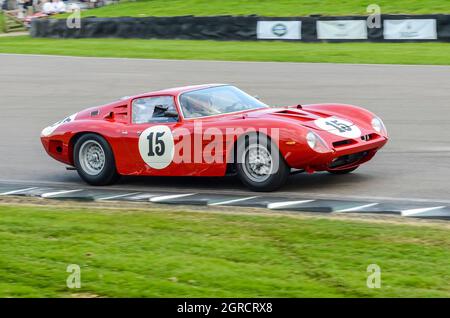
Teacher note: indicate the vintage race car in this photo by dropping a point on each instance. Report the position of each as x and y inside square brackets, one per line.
[213, 130]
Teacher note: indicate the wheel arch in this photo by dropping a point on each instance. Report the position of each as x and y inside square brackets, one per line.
[232, 152]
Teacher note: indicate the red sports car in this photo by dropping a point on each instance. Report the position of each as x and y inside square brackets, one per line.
[213, 130]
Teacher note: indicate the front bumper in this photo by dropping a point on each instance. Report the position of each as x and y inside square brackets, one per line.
[350, 153]
[57, 148]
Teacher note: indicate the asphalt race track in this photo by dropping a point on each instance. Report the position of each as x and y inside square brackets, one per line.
[414, 102]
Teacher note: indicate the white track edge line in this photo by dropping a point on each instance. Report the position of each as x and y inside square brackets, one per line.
[420, 210]
[232, 201]
[53, 194]
[117, 196]
[18, 191]
[277, 205]
[169, 197]
[356, 208]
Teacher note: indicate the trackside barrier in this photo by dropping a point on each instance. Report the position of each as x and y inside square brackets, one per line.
[392, 28]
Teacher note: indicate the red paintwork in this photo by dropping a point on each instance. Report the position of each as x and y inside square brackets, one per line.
[293, 123]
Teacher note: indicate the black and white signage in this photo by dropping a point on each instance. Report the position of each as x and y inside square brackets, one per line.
[279, 30]
[342, 30]
[410, 29]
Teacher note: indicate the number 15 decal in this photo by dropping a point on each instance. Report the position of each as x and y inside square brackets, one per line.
[156, 146]
[342, 127]
[339, 127]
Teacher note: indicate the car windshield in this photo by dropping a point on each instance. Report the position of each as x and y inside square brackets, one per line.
[217, 100]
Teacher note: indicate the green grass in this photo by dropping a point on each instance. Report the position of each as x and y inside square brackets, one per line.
[372, 53]
[265, 7]
[157, 253]
[2, 23]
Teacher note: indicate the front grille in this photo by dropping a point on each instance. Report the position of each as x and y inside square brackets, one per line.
[348, 159]
[342, 143]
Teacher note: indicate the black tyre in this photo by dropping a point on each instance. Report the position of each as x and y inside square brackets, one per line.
[343, 171]
[259, 164]
[94, 160]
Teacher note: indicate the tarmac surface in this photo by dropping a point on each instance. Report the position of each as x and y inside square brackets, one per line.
[413, 101]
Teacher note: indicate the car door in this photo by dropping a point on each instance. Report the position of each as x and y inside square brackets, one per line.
[161, 143]
[150, 138]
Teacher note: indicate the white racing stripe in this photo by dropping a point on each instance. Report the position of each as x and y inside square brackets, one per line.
[421, 210]
[17, 191]
[54, 194]
[232, 201]
[277, 205]
[117, 196]
[357, 208]
[170, 197]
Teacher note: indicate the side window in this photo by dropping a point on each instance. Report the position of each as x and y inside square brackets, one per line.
[154, 109]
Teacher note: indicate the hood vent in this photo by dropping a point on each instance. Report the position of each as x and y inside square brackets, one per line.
[296, 114]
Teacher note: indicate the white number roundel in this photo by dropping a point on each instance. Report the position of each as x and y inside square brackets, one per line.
[156, 146]
[339, 127]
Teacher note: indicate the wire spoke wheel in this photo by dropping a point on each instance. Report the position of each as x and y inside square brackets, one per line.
[258, 163]
[92, 157]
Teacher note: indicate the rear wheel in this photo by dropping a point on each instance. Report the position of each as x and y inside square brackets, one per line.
[259, 164]
[345, 171]
[94, 160]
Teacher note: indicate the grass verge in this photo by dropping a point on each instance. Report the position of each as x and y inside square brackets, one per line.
[367, 53]
[158, 252]
[280, 8]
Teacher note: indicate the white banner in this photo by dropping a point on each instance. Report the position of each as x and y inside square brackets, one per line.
[410, 29]
[279, 30]
[342, 30]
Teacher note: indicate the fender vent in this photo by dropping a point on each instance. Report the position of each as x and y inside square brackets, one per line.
[118, 113]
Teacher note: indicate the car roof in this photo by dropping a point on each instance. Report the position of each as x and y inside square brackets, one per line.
[175, 91]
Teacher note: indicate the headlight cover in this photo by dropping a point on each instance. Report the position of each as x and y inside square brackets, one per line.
[316, 143]
[378, 126]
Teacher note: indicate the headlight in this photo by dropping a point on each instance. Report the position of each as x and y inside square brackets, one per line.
[311, 139]
[316, 142]
[378, 126]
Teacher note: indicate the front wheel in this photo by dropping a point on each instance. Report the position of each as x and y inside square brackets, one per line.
[259, 164]
[94, 160]
[345, 171]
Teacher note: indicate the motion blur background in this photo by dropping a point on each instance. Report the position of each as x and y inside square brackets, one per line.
[390, 56]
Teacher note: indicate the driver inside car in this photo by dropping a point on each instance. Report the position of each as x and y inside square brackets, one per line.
[198, 106]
